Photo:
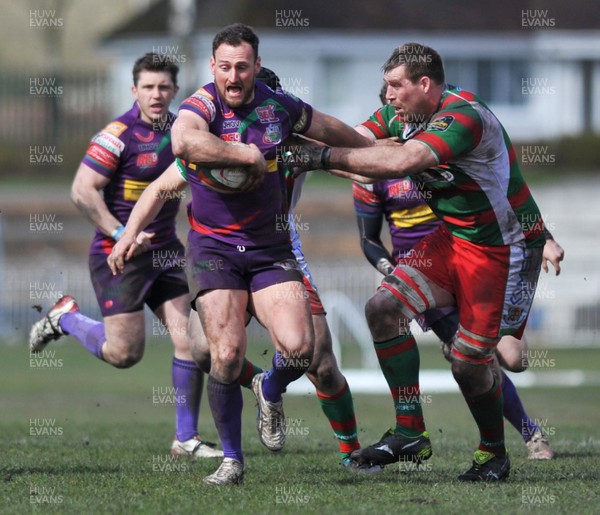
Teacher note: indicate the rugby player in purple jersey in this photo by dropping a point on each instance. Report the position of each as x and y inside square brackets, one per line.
[333, 392]
[236, 258]
[120, 162]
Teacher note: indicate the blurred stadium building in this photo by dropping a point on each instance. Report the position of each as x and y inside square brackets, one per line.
[538, 68]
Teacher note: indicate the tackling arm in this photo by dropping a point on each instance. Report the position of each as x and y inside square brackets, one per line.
[383, 161]
[379, 162]
[332, 131]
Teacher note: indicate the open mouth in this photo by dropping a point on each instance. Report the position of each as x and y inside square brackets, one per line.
[234, 90]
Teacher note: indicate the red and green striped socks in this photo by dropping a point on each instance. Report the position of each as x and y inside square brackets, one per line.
[339, 410]
[399, 361]
[487, 412]
[249, 370]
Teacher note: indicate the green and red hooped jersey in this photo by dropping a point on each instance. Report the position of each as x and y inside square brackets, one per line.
[477, 189]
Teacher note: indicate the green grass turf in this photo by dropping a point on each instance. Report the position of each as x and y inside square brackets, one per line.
[106, 448]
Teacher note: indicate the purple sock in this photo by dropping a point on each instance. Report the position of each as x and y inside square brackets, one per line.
[284, 371]
[188, 381]
[89, 332]
[226, 403]
[514, 411]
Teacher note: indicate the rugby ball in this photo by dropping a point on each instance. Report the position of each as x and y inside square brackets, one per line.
[223, 180]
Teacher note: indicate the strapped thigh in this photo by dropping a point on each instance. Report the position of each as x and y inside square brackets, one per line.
[473, 348]
[409, 290]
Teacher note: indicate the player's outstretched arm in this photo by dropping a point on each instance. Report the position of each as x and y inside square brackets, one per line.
[334, 132]
[145, 210]
[379, 162]
[86, 195]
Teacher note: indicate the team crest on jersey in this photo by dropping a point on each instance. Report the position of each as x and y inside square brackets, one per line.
[514, 315]
[441, 124]
[266, 114]
[272, 134]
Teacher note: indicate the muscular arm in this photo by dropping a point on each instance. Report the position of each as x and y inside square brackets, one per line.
[352, 176]
[192, 141]
[334, 132]
[384, 161]
[86, 195]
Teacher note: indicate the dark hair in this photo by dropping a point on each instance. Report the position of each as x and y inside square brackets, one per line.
[419, 60]
[235, 35]
[269, 77]
[152, 62]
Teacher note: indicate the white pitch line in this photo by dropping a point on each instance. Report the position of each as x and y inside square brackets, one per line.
[441, 381]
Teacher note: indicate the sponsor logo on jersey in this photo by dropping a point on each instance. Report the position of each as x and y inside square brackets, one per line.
[145, 147]
[288, 264]
[115, 128]
[441, 124]
[231, 124]
[266, 114]
[449, 176]
[109, 142]
[272, 134]
[202, 105]
[146, 139]
[398, 189]
[146, 160]
[301, 123]
[132, 190]
[231, 137]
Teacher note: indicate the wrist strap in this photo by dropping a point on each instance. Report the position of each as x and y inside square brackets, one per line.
[118, 232]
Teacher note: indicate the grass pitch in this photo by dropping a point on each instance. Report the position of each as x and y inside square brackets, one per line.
[78, 436]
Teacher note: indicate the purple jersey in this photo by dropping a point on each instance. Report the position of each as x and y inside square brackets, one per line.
[250, 218]
[132, 154]
[399, 200]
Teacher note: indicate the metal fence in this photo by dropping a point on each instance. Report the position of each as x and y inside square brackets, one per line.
[560, 317]
[47, 119]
